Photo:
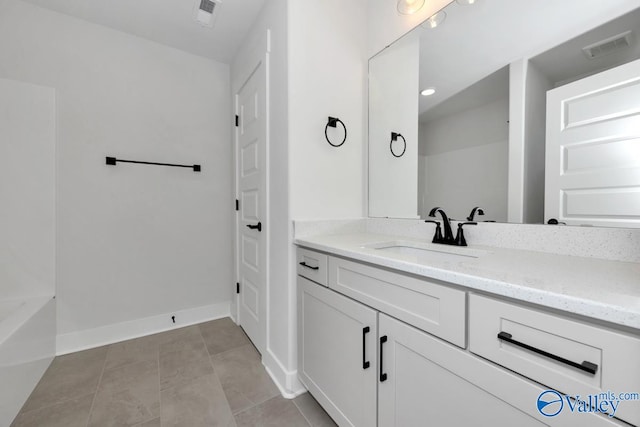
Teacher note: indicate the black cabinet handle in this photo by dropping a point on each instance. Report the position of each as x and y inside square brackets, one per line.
[383, 376]
[305, 265]
[365, 362]
[258, 226]
[589, 367]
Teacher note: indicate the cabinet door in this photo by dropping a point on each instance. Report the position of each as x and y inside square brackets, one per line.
[422, 388]
[337, 353]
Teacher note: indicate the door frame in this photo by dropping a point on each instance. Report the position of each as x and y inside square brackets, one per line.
[258, 53]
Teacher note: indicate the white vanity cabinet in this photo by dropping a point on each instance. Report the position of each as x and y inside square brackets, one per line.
[432, 307]
[312, 265]
[571, 356]
[428, 382]
[382, 348]
[337, 353]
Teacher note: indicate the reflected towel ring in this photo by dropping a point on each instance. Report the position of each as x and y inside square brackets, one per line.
[333, 122]
[394, 137]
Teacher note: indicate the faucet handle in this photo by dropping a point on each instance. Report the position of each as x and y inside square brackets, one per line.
[460, 240]
[437, 237]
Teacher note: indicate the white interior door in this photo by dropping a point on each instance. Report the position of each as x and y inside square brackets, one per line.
[593, 149]
[251, 140]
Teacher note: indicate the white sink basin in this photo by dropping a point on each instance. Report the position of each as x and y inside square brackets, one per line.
[427, 251]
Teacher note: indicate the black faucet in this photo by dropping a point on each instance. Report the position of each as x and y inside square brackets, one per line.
[460, 240]
[437, 236]
[447, 239]
[477, 210]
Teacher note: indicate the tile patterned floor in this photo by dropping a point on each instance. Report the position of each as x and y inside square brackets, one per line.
[203, 375]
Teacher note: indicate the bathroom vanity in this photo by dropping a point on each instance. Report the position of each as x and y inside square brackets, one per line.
[530, 324]
[394, 331]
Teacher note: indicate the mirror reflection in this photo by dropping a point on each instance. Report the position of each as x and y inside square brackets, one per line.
[525, 132]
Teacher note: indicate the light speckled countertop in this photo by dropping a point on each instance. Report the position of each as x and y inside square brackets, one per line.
[599, 289]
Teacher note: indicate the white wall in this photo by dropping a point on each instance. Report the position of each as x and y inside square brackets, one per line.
[327, 67]
[537, 85]
[327, 77]
[27, 190]
[393, 107]
[527, 114]
[134, 241]
[386, 25]
[465, 154]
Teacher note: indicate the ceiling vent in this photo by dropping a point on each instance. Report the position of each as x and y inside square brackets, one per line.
[206, 11]
[609, 45]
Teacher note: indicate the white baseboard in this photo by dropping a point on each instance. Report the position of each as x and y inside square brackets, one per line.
[287, 381]
[109, 334]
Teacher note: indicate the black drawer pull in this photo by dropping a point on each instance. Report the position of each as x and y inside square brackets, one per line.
[589, 367]
[258, 226]
[305, 265]
[383, 376]
[365, 362]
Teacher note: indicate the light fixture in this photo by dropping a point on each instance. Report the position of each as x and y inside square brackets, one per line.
[428, 91]
[409, 7]
[465, 2]
[434, 20]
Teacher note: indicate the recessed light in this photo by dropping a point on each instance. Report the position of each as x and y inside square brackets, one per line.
[428, 91]
[409, 7]
[466, 2]
[434, 20]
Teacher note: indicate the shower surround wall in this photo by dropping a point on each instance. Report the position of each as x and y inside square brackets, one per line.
[136, 244]
[27, 240]
[27, 190]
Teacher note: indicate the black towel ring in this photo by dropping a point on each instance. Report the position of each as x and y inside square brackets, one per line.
[394, 137]
[333, 122]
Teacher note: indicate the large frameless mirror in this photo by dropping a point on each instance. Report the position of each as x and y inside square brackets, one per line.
[504, 106]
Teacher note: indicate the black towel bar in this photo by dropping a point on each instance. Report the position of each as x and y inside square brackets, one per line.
[112, 161]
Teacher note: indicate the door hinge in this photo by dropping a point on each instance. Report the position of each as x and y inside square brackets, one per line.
[237, 120]
[237, 288]
[237, 204]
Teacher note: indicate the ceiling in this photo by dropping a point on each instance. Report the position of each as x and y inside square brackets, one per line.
[475, 41]
[169, 22]
[567, 62]
[493, 87]
[561, 65]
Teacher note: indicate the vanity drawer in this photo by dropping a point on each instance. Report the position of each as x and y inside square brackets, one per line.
[312, 265]
[555, 344]
[437, 309]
